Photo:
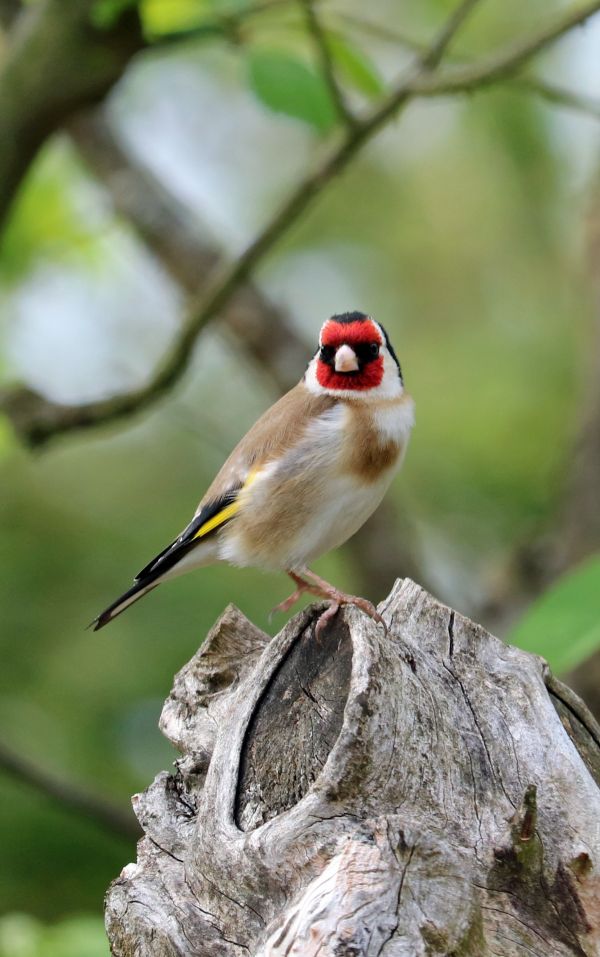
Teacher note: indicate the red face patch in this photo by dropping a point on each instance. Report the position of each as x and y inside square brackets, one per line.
[356, 335]
[369, 377]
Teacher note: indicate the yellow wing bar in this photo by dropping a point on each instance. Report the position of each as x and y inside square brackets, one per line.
[224, 515]
[229, 510]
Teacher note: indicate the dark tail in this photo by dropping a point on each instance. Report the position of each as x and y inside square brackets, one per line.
[138, 590]
[153, 573]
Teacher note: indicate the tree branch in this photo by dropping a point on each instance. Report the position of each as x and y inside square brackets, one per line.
[558, 95]
[70, 796]
[56, 63]
[9, 11]
[315, 30]
[421, 80]
[57, 419]
[173, 236]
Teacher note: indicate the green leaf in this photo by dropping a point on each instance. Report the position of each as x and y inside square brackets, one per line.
[354, 66]
[564, 624]
[286, 85]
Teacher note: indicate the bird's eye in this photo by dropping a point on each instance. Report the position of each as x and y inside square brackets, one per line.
[326, 353]
[374, 349]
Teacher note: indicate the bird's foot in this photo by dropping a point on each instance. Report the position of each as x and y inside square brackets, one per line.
[323, 589]
[318, 587]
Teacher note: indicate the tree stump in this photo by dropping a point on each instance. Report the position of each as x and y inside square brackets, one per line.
[426, 792]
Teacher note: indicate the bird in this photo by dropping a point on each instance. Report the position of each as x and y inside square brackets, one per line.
[305, 477]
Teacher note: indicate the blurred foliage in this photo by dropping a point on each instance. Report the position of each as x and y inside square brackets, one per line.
[459, 228]
[49, 220]
[21, 935]
[159, 17]
[564, 624]
[106, 13]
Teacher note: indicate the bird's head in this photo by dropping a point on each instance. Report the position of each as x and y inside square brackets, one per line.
[355, 359]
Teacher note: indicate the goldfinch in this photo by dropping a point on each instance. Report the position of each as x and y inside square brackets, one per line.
[306, 476]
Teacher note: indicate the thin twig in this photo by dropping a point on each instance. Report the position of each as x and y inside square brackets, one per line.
[379, 30]
[313, 25]
[506, 62]
[556, 95]
[70, 796]
[421, 80]
[432, 56]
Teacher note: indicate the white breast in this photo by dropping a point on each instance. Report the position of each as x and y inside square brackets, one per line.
[339, 503]
[340, 514]
[396, 421]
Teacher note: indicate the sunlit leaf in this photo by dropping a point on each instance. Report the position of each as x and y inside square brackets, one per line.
[173, 16]
[564, 624]
[286, 85]
[354, 66]
[45, 220]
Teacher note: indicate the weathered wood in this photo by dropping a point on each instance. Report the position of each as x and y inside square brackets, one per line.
[415, 793]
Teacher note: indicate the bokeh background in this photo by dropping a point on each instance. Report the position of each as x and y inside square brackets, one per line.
[468, 226]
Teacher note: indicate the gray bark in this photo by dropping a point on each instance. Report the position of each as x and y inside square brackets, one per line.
[426, 792]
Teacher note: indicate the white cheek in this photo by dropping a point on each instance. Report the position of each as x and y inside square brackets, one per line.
[391, 384]
[310, 378]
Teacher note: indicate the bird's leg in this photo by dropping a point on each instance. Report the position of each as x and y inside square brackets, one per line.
[324, 590]
[301, 587]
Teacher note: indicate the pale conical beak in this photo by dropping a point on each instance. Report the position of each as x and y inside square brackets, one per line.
[345, 360]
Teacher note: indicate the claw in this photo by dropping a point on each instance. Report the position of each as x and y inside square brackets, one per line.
[369, 609]
[324, 618]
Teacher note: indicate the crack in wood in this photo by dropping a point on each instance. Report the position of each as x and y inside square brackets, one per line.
[297, 718]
